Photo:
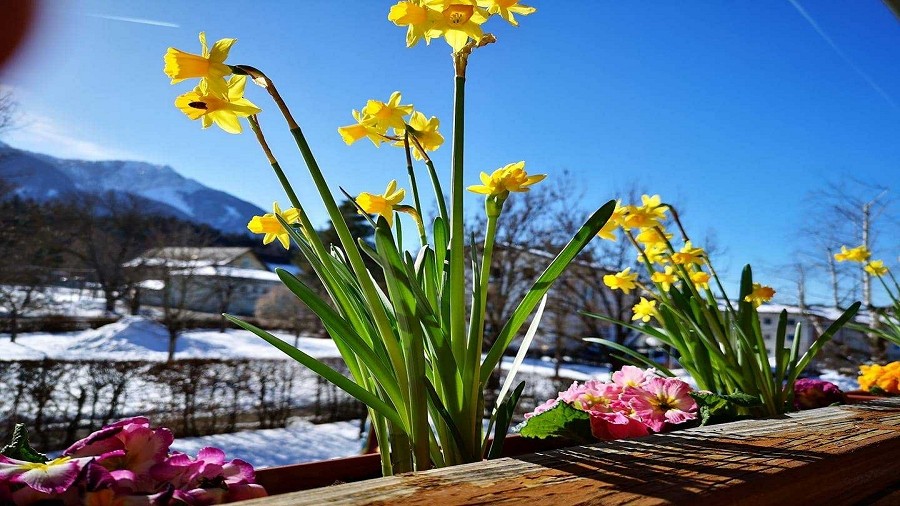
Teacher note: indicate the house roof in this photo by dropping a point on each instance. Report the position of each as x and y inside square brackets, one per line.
[178, 256]
[230, 272]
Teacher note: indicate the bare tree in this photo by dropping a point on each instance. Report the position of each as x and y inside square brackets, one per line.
[849, 212]
[8, 107]
[106, 231]
[28, 253]
[534, 227]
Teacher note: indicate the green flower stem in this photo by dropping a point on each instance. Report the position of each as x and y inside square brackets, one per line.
[435, 182]
[423, 238]
[457, 232]
[282, 178]
[457, 277]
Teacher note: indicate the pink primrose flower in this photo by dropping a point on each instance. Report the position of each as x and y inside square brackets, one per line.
[53, 477]
[631, 376]
[815, 393]
[662, 401]
[616, 425]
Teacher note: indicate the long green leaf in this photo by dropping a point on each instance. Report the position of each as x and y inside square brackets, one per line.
[821, 340]
[543, 284]
[336, 378]
[637, 357]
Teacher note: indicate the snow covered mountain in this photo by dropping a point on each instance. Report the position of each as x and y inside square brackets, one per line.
[42, 178]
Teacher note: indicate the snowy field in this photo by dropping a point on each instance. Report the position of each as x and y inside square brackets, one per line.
[300, 442]
[139, 338]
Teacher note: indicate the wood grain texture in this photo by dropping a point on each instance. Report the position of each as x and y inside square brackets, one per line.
[836, 455]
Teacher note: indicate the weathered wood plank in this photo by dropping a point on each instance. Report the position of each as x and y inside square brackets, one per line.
[837, 455]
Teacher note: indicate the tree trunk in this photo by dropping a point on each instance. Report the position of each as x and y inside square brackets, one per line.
[173, 336]
[14, 325]
[136, 301]
[110, 303]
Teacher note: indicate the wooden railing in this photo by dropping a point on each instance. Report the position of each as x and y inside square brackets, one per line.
[836, 455]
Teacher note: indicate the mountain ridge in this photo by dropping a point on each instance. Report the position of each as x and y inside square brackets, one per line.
[43, 178]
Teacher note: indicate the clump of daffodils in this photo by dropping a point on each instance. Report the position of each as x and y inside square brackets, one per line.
[634, 403]
[886, 322]
[686, 268]
[880, 379]
[683, 305]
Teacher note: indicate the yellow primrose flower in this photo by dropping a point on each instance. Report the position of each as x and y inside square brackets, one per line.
[269, 225]
[418, 19]
[458, 21]
[653, 235]
[608, 231]
[688, 255]
[383, 204]
[382, 116]
[425, 132]
[220, 107]
[506, 8]
[700, 279]
[511, 178]
[666, 279]
[650, 214]
[876, 268]
[760, 294]
[624, 280]
[210, 64]
[857, 254]
[644, 310]
[358, 130]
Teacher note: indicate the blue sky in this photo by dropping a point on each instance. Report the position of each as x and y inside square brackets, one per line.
[732, 110]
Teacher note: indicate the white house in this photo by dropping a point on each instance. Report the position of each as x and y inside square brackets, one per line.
[206, 280]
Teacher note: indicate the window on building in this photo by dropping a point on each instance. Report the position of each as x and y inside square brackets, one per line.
[767, 321]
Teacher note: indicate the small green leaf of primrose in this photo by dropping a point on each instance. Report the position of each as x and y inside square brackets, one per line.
[562, 420]
[20, 449]
[720, 407]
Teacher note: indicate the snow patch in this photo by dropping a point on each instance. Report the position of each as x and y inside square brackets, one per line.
[300, 442]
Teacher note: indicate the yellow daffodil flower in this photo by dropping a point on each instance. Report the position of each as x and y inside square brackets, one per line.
[688, 255]
[511, 178]
[858, 254]
[418, 19]
[383, 115]
[650, 214]
[269, 225]
[700, 279]
[210, 64]
[624, 280]
[876, 268]
[666, 278]
[384, 204]
[608, 231]
[653, 235]
[760, 294]
[506, 8]
[657, 253]
[458, 21]
[358, 130]
[220, 107]
[425, 132]
[644, 310]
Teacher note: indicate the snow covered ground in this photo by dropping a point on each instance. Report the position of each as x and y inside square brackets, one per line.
[300, 442]
[139, 338]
